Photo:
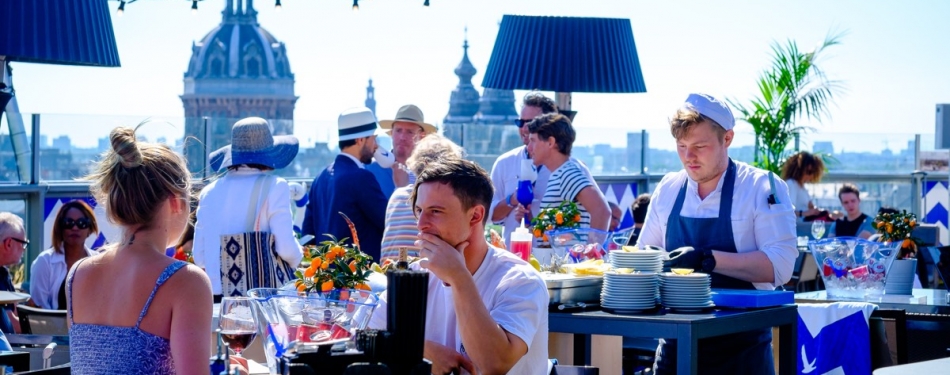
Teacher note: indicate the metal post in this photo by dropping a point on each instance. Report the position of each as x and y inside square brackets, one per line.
[643, 151]
[35, 202]
[918, 199]
[206, 149]
[35, 172]
[797, 142]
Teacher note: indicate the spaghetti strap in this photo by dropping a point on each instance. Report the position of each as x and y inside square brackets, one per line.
[69, 287]
[166, 274]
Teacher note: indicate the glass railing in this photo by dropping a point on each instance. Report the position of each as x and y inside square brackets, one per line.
[70, 143]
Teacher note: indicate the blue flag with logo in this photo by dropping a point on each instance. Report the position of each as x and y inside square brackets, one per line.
[834, 338]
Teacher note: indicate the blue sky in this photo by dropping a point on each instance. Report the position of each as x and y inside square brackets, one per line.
[894, 60]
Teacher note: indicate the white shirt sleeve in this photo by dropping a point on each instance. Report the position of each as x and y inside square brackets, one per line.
[40, 276]
[280, 222]
[498, 182]
[203, 244]
[518, 307]
[774, 229]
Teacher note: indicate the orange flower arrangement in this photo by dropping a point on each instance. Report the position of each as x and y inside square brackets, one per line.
[897, 227]
[565, 215]
[335, 265]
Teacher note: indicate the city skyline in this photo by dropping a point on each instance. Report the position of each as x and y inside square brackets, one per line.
[887, 60]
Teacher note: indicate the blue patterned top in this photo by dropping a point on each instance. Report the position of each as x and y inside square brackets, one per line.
[101, 349]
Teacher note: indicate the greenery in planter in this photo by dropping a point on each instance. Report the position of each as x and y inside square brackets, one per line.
[793, 88]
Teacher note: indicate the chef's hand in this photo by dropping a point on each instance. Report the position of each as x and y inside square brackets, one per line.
[445, 360]
[445, 261]
[691, 259]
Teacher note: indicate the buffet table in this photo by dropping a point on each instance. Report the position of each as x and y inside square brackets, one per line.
[688, 329]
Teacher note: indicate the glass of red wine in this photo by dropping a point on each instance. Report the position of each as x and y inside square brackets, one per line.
[238, 323]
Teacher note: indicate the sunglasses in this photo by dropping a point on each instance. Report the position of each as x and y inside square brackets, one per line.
[81, 223]
[522, 122]
[24, 242]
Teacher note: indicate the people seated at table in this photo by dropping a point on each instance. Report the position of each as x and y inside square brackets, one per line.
[73, 226]
[486, 311]
[401, 224]
[132, 309]
[551, 137]
[853, 222]
[742, 230]
[799, 169]
[263, 200]
[13, 244]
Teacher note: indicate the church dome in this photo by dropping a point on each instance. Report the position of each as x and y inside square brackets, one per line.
[239, 48]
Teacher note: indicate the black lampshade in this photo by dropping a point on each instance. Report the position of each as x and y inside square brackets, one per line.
[565, 54]
[63, 32]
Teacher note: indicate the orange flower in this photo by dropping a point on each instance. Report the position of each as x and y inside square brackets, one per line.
[325, 265]
[363, 287]
[301, 287]
[352, 266]
[545, 237]
[537, 233]
[907, 244]
[559, 218]
[577, 218]
[310, 271]
[326, 286]
[331, 256]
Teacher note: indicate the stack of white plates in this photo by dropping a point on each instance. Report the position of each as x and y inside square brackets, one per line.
[685, 293]
[639, 260]
[628, 293]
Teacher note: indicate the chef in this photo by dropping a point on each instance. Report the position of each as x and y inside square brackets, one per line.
[737, 217]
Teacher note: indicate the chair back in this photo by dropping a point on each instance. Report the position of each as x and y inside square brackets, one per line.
[888, 338]
[37, 321]
[809, 272]
[63, 369]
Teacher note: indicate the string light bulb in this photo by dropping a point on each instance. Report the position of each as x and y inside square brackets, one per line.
[121, 8]
[277, 6]
[194, 7]
[356, 5]
[426, 3]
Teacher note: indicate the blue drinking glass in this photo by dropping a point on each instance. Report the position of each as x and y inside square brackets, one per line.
[525, 192]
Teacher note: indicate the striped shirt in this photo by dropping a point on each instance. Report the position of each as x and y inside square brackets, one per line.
[564, 185]
[401, 226]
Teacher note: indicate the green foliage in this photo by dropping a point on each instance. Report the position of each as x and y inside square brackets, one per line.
[793, 88]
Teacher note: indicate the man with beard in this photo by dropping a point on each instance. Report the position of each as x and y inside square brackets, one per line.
[346, 186]
[486, 310]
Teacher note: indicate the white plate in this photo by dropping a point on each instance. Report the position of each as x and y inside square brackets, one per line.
[694, 275]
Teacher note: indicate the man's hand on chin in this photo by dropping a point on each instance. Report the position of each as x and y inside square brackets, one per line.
[446, 360]
[442, 259]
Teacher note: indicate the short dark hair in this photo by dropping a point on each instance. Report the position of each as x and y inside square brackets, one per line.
[469, 182]
[346, 143]
[537, 99]
[849, 188]
[639, 208]
[554, 125]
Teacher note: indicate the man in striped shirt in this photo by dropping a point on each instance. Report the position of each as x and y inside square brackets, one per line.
[550, 139]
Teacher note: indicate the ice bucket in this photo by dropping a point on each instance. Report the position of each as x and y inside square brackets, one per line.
[853, 267]
[315, 319]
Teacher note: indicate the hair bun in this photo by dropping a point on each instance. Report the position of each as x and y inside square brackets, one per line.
[124, 145]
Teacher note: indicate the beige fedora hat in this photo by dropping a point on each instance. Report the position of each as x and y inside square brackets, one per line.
[409, 113]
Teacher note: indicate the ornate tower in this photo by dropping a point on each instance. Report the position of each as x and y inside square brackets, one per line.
[371, 97]
[237, 70]
[463, 104]
[496, 107]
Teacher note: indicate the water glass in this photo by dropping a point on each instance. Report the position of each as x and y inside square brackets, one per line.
[818, 229]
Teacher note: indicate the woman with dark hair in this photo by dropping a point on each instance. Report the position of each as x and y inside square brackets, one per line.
[73, 226]
[804, 168]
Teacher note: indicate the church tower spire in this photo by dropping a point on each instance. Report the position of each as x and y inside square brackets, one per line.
[371, 97]
[463, 104]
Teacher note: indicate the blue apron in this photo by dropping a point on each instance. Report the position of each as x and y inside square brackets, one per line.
[740, 353]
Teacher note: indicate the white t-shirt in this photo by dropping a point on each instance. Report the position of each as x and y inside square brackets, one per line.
[799, 196]
[564, 185]
[516, 298]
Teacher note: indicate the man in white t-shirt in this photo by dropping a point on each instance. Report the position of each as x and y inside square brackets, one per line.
[486, 309]
[506, 172]
[550, 142]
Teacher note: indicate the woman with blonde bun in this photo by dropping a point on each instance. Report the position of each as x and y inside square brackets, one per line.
[133, 310]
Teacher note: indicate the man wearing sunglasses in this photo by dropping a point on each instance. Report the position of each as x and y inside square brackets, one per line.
[506, 172]
[13, 244]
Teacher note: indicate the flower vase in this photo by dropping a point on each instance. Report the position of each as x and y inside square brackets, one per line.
[900, 277]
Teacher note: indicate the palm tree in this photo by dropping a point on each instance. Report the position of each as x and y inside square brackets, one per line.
[793, 88]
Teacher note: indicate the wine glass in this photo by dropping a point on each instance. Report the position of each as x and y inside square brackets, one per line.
[818, 229]
[238, 323]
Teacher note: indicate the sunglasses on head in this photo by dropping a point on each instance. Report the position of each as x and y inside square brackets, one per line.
[522, 122]
[81, 223]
